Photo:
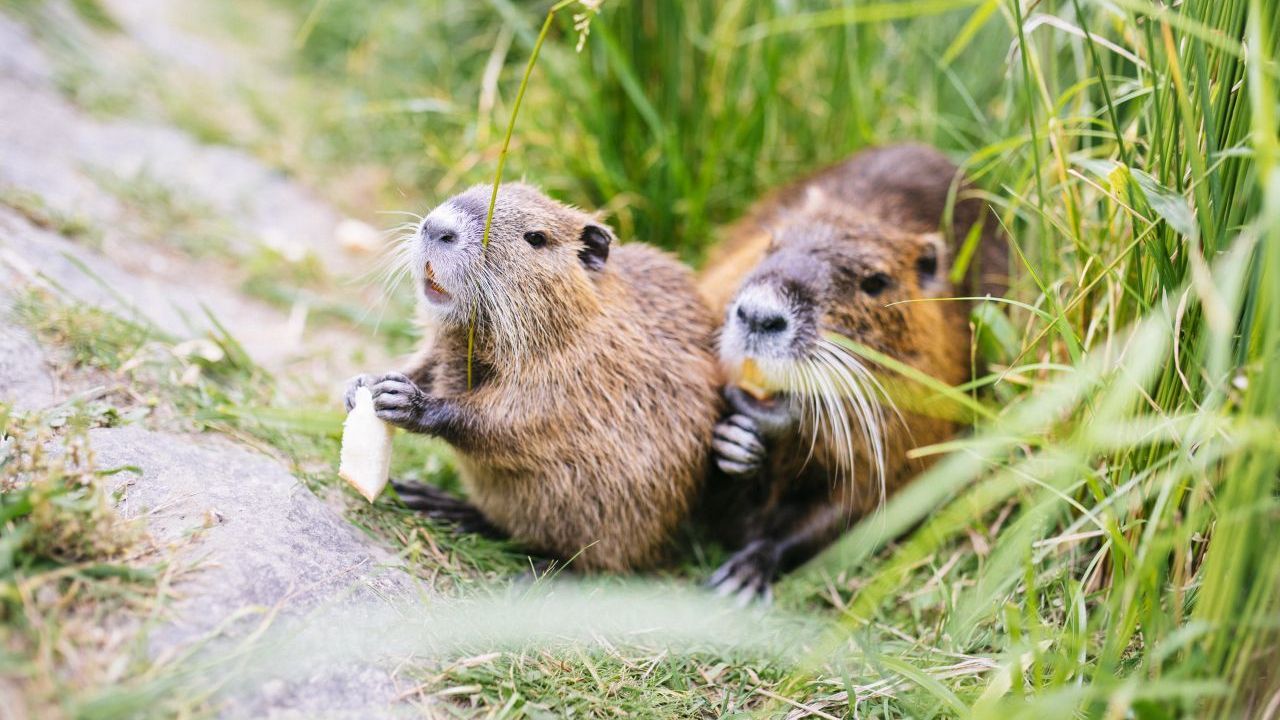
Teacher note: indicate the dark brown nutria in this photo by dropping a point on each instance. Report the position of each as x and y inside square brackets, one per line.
[814, 440]
[585, 433]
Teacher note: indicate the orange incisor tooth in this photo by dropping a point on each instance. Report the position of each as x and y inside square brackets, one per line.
[752, 381]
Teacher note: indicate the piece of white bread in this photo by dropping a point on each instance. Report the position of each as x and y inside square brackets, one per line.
[366, 448]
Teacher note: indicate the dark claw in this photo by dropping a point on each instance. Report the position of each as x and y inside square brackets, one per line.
[400, 417]
[388, 386]
[476, 524]
[445, 508]
[737, 447]
[391, 400]
[749, 574]
[741, 431]
[735, 469]
[430, 495]
[765, 420]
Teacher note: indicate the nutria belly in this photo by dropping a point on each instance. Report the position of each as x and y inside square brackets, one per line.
[607, 521]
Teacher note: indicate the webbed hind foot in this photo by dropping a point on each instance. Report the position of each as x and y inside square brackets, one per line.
[445, 508]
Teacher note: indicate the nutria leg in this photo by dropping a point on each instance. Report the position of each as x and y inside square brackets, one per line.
[445, 508]
[749, 573]
[796, 533]
[398, 401]
[810, 534]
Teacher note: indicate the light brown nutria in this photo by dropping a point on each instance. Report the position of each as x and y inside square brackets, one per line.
[814, 439]
[586, 431]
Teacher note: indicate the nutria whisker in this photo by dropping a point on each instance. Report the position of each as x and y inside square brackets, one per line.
[504, 318]
[390, 269]
[835, 429]
[417, 219]
[869, 399]
[396, 258]
[801, 381]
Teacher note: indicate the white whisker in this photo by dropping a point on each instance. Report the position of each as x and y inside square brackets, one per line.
[870, 399]
[852, 394]
[811, 409]
[416, 217]
[843, 388]
[838, 396]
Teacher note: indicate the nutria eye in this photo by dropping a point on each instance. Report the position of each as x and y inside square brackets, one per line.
[875, 284]
[535, 239]
[927, 266]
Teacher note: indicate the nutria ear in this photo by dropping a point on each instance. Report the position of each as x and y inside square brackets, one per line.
[931, 265]
[595, 246]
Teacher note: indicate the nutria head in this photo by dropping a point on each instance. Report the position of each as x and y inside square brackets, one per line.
[830, 274]
[535, 281]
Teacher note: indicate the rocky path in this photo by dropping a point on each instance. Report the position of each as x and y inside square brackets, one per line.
[265, 550]
[258, 543]
[73, 166]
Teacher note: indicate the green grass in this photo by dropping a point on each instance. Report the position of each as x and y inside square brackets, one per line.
[578, 684]
[37, 211]
[166, 215]
[91, 336]
[71, 570]
[1103, 546]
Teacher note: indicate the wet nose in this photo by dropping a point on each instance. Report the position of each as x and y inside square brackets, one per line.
[439, 235]
[762, 320]
[438, 231]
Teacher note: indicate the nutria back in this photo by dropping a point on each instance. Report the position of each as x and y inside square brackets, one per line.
[907, 187]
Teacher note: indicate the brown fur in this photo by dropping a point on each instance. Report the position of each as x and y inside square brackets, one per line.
[932, 337]
[878, 212]
[594, 389]
[903, 186]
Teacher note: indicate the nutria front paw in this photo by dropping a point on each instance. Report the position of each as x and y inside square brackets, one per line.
[749, 574]
[354, 384]
[398, 401]
[738, 449]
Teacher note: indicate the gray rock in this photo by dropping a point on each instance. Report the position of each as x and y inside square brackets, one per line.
[264, 544]
[55, 151]
[159, 26]
[29, 254]
[178, 301]
[25, 380]
[261, 548]
[16, 59]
